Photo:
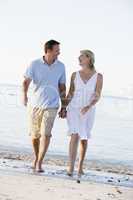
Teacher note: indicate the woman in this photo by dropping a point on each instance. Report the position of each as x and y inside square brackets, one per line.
[84, 93]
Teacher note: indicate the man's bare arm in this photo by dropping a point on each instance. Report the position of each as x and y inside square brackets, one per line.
[25, 86]
[62, 91]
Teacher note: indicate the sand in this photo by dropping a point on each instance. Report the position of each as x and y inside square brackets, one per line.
[17, 186]
[60, 160]
[102, 181]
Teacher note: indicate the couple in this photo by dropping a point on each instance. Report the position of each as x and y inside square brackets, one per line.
[78, 106]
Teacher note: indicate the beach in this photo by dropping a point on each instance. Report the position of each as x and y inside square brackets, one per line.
[11, 154]
[100, 181]
[31, 187]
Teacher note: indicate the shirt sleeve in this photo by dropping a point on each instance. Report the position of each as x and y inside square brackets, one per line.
[29, 72]
[63, 76]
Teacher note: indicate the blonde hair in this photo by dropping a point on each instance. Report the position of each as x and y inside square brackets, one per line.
[91, 55]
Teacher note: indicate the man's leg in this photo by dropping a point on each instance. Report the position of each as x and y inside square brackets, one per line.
[83, 148]
[44, 144]
[35, 144]
[35, 117]
[46, 128]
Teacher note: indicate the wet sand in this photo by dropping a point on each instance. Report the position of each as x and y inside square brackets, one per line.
[59, 160]
[102, 180]
[16, 186]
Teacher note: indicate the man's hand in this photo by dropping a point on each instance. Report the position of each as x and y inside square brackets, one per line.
[25, 86]
[62, 113]
[25, 100]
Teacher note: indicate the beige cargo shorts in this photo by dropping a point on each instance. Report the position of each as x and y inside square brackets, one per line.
[41, 121]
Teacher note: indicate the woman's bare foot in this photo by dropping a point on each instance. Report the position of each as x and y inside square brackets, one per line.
[40, 170]
[70, 171]
[39, 167]
[34, 164]
[81, 172]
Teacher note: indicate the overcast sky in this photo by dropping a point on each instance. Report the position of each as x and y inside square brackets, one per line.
[103, 26]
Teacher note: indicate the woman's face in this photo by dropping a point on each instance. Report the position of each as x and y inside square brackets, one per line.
[84, 60]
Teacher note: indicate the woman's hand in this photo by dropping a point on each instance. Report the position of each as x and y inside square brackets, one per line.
[85, 110]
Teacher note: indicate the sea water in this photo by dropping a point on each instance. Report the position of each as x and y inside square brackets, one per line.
[112, 134]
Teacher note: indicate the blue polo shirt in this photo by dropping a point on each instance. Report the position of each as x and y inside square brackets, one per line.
[45, 81]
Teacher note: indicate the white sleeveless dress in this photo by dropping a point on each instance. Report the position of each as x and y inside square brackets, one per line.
[83, 95]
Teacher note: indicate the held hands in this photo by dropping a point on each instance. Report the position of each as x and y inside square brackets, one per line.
[62, 113]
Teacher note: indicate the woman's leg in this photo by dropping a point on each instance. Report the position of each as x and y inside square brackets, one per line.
[83, 148]
[73, 145]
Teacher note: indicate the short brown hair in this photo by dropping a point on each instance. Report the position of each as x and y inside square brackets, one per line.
[49, 45]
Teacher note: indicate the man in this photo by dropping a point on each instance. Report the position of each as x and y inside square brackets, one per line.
[48, 77]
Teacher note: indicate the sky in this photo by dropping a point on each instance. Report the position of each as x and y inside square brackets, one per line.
[103, 26]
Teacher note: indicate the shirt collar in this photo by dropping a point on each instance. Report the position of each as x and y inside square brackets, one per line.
[54, 63]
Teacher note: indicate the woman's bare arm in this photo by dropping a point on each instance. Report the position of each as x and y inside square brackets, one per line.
[71, 89]
[98, 90]
[97, 94]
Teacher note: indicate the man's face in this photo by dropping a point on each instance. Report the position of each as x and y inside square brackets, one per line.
[54, 52]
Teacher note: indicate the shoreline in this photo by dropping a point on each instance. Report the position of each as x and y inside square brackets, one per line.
[101, 180]
[54, 170]
[62, 160]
